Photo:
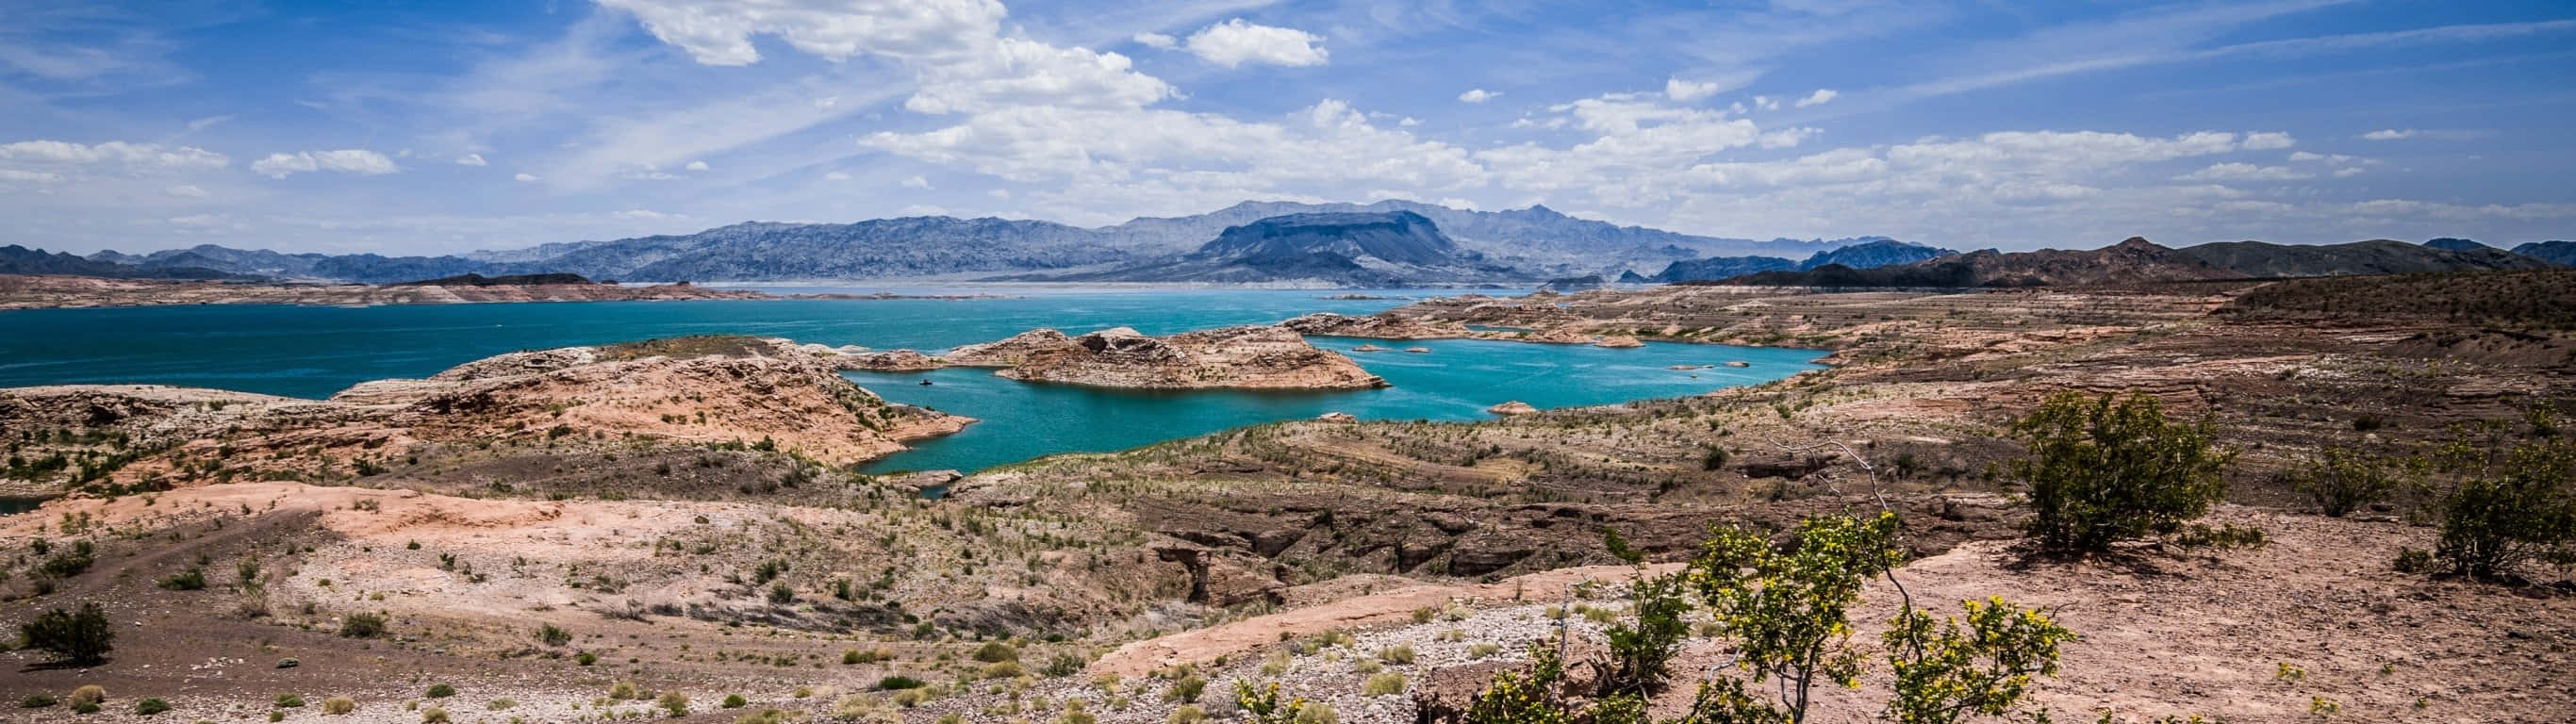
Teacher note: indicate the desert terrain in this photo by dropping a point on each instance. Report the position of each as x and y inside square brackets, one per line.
[581, 534]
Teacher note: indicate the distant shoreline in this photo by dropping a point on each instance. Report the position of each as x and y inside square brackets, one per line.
[23, 291]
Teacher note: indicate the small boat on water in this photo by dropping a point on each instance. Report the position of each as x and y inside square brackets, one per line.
[925, 383]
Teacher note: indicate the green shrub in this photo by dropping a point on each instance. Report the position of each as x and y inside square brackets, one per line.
[1383, 684]
[1062, 665]
[896, 682]
[362, 625]
[1478, 651]
[996, 652]
[626, 690]
[734, 701]
[441, 691]
[585, 658]
[1187, 714]
[674, 703]
[433, 715]
[551, 635]
[2102, 470]
[764, 716]
[1003, 670]
[289, 701]
[1398, 655]
[80, 638]
[2342, 481]
[150, 706]
[1641, 649]
[2514, 504]
[192, 579]
[339, 705]
[1187, 689]
[35, 701]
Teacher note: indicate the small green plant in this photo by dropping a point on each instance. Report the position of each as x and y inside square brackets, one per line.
[362, 625]
[1187, 689]
[897, 682]
[626, 690]
[2284, 671]
[2342, 481]
[1396, 655]
[1385, 684]
[585, 658]
[996, 652]
[673, 703]
[551, 635]
[733, 701]
[1187, 714]
[35, 701]
[441, 691]
[289, 701]
[433, 715]
[1062, 665]
[150, 706]
[2321, 706]
[192, 579]
[1479, 651]
[339, 705]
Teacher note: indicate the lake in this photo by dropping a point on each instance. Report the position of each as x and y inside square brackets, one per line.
[313, 352]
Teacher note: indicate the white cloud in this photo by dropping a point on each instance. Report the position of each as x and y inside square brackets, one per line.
[1477, 95]
[358, 161]
[186, 191]
[1820, 97]
[835, 176]
[1687, 91]
[471, 159]
[2347, 172]
[1025, 72]
[524, 178]
[1235, 42]
[1155, 40]
[2304, 157]
[118, 153]
[916, 182]
[2267, 141]
[2242, 172]
[2390, 134]
[11, 175]
[696, 166]
[719, 32]
[1766, 103]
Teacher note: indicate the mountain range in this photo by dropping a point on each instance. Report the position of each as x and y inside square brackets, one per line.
[1514, 246]
[2137, 260]
[1388, 243]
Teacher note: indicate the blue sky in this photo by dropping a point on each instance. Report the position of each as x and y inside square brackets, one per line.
[438, 127]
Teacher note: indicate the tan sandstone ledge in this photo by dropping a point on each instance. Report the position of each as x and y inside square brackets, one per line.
[1249, 357]
[691, 390]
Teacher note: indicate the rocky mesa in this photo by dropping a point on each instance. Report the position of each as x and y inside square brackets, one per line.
[1248, 357]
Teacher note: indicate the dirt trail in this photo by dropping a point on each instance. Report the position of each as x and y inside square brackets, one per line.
[1207, 644]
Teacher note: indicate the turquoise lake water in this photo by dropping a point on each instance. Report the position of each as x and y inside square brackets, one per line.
[316, 351]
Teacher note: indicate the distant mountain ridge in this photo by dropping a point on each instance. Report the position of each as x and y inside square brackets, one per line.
[1866, 252]
[1346, 248]
[2137, 261]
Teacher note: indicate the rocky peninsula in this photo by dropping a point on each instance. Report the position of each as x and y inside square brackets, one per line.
[1247, 357]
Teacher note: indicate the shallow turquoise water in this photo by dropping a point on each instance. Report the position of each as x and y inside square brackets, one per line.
[1457, 380]
[316, 351]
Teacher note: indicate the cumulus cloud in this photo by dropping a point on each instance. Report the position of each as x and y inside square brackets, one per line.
[719, 32]
[1026, 72]
[18, 176]
[1820, 97]
[1236, 42]
[2242, 172]
[1155, 40]
[2267, 141]
[2390, 134]
[1477, 95]
[357, 161]
[916, 182]
[115, 153]
[471, 159]
[696, 166]
[1686, 91]
[524, 177]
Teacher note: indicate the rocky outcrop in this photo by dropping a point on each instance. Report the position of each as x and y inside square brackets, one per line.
[1515, 407]
[1232, 357]
[727, 391]
[1008, 352]
[901, 360]
[1373, 326]
[1619, 341]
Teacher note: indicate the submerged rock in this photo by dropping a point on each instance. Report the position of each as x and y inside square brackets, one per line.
[1418, 350]
[1337, 417]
